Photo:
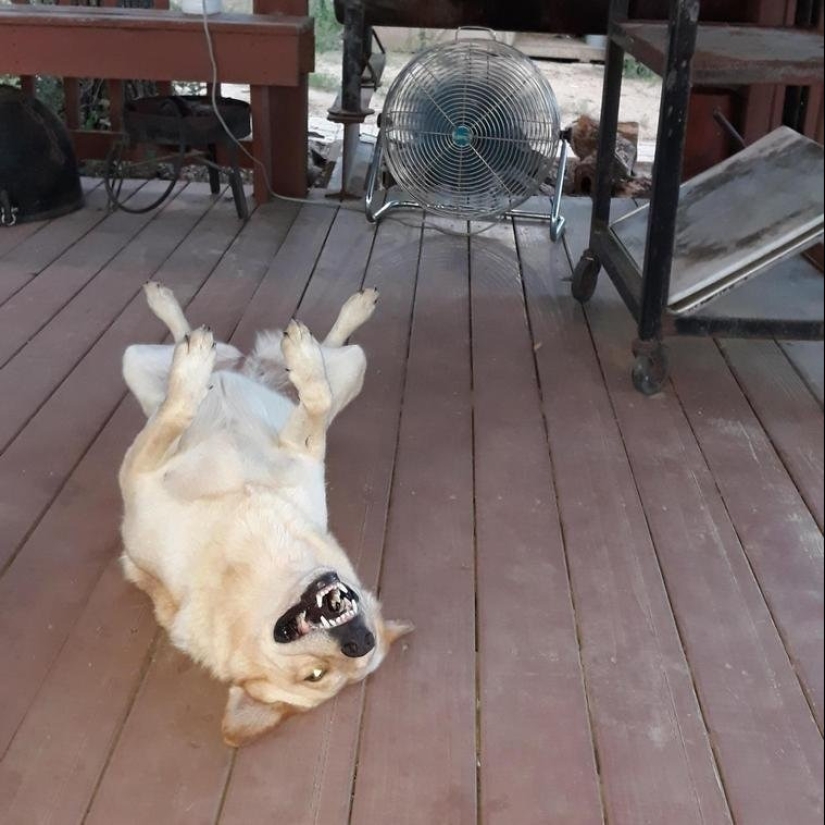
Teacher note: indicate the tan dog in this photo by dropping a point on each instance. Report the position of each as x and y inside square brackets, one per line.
[225, 524]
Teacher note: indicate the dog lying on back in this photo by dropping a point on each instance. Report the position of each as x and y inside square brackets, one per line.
[225, 522]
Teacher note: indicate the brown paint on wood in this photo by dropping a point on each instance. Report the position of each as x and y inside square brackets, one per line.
[115, 42]
[530, 677]
[765, 738]
[789, 414]
[51, 354]
[60, 749]
[781, 539]
[419, 724]
[654, 753]
[30, 251]
[69, 253]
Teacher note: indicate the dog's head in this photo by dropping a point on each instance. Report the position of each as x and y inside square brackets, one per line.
[325, 633]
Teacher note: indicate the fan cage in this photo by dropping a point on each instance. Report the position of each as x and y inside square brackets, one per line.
[470, 129]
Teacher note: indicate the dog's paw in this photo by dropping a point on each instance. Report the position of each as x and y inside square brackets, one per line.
[305, 362]
[192, 367]
[358, 308]
[159, 297]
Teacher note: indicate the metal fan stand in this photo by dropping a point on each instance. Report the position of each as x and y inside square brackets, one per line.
[456, 125]
[374, 213]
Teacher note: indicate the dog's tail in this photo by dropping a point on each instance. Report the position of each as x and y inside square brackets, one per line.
[266, 362]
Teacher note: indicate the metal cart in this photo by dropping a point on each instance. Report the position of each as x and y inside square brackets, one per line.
[651, 249]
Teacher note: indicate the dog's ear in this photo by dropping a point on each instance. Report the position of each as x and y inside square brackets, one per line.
[392, 631]
[246, 718]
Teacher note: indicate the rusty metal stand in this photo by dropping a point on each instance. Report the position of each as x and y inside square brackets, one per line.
[645, 286]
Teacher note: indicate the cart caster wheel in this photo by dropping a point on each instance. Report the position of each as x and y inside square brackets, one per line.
[585, 277]
[652, 367]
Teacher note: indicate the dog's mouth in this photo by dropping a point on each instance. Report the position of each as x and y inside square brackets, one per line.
[326, 604]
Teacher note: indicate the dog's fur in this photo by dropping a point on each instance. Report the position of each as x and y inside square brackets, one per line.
[225, 518]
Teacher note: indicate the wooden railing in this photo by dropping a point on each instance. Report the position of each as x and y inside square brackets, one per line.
[271, 49]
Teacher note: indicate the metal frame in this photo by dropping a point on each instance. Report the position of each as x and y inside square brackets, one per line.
[647, 300]
[555, 218]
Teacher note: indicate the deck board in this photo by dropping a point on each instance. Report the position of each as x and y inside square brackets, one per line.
[61, 266]
[582, 563]
[790, 415]
[655, 758]
[768, 745]
[525, 613]
[419, 728]
[807, 357]
[81, 402]
[783, 544]
[27, 249]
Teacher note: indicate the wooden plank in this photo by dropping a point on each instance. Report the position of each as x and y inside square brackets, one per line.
[116, 42]
[765, 738]
[58, 751]
[790, 415]
[419, 725]
[655, 758]
[808, 357]
[304, 773]
[780, 537]
[170, 750]
[531, 689]
[63, 264]
[159, 710]
[39, 249]
[55, 570]
[12, 236]
[37, 369]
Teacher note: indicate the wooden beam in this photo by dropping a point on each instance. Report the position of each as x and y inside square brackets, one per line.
[154, 44]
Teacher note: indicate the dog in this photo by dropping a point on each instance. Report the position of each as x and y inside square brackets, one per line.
[225, 514]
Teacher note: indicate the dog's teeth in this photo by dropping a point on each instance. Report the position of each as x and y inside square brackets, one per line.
[355, 607]
[324, 623]
[319, 599]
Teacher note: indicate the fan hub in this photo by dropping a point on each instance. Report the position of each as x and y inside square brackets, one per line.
[463, 137]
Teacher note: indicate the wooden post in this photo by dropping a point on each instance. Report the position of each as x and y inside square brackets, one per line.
[280, 123]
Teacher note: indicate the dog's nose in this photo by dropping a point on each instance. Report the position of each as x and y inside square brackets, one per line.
[358, 645]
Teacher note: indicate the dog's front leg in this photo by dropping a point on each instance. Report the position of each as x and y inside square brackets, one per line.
[306, 429]
[189, 375]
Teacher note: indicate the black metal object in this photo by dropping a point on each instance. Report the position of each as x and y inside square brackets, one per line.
[189, 125]
[39, 178]
[568, 17]
[647, 299]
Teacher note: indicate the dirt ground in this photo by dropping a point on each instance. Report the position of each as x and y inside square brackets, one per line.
[578, 88]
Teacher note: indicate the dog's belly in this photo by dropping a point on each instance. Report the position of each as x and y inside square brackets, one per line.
[175, 515]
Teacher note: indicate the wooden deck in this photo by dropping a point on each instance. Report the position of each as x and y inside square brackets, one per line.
[619, 600]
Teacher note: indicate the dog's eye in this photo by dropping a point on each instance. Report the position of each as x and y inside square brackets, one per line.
[316, 675]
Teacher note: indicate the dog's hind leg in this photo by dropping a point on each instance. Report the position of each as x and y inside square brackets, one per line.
[165, 305]
[192, 365]
[356, 311]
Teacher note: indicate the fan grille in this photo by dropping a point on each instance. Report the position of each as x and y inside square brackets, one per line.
[470, 128]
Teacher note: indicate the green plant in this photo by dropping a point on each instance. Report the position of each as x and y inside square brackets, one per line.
[327, 28]
[632, 68]
[324, 82]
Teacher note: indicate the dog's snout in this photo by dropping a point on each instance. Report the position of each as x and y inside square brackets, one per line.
[358, 645]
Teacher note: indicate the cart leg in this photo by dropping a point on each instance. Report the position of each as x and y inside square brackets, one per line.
[652, 366]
